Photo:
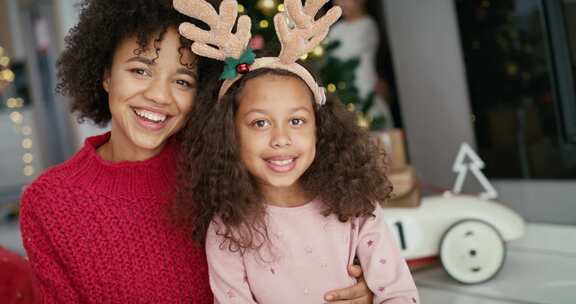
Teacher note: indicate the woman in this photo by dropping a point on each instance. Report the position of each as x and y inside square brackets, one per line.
[96, 228]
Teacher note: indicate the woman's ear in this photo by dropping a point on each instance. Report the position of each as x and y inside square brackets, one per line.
[106, 81]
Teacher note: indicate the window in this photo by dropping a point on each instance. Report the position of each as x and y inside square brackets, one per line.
[520, 76]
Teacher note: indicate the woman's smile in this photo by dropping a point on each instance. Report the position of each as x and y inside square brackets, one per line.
[150, 119]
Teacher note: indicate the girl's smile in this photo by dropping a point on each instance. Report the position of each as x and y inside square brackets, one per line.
[281, 164]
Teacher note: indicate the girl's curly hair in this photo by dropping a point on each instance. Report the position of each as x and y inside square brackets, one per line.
[348, 173]
[90, 46]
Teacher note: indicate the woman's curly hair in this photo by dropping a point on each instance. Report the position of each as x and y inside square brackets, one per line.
[348, 173]
[90, 46]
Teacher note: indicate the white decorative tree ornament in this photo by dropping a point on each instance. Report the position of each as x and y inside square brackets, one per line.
[475, 165]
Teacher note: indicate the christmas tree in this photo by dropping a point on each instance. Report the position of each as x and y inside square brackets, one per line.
[336, 75]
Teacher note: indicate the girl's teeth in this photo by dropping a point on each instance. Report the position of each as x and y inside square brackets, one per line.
[156, 117]
[282, 162]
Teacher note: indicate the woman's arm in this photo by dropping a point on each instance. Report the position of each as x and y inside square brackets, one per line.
[357, 294]
[51, 284]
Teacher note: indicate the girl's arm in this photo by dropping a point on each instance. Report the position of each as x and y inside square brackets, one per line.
[51, 284]
[385, 270]
[227, 272]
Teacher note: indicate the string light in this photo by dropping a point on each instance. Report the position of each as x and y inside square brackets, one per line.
[318, 51]
[241, 9]
[363, 121]
[4, 61]
[281, 8]
[11, 103]
[304, 57]
[512, 69]
[6, 75]
[27, 158]
[264, 24]
[16, 117]
[331, 88]
[26, 131]
[28, 170]
[27, 143]
[267, 7]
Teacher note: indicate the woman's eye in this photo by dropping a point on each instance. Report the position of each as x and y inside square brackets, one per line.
[261, 123]
[138, 71]
[296, 121]
[184, 83]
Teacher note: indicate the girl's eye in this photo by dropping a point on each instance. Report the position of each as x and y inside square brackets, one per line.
[296, 121]
[260, 124]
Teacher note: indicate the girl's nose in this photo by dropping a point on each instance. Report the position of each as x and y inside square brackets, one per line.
[280, 139]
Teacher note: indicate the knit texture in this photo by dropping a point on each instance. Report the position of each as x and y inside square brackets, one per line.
[100, 232]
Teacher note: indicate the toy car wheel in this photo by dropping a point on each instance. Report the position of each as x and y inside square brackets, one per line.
[472, 251]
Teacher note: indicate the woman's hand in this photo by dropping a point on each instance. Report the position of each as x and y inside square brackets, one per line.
[357, 294]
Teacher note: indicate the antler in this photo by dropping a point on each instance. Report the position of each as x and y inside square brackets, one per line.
[218, 43]
[307, 32]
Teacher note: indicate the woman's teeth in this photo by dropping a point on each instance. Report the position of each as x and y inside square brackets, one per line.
[152, 116]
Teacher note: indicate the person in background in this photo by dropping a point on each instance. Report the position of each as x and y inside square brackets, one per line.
[359, 38]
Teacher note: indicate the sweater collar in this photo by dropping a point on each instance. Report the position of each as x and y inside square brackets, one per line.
[130, 179]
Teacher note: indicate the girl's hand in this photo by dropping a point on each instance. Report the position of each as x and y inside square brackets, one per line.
[357, 294]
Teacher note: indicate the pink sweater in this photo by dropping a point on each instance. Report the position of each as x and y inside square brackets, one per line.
[99, 232]
[308, 256]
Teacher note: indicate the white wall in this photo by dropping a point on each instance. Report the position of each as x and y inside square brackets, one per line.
[431, 83]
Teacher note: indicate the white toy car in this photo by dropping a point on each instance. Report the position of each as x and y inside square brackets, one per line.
[466, 232]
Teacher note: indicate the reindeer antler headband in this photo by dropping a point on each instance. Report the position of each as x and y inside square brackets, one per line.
[297, 31]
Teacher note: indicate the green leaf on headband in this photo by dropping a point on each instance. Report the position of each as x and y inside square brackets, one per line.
[230, 72]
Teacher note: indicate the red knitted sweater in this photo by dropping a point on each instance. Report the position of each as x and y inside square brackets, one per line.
[99, 232]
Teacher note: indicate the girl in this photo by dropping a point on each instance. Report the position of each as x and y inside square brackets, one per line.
[286, 186]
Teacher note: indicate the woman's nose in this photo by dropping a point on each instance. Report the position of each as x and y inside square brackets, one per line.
[158, 91]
